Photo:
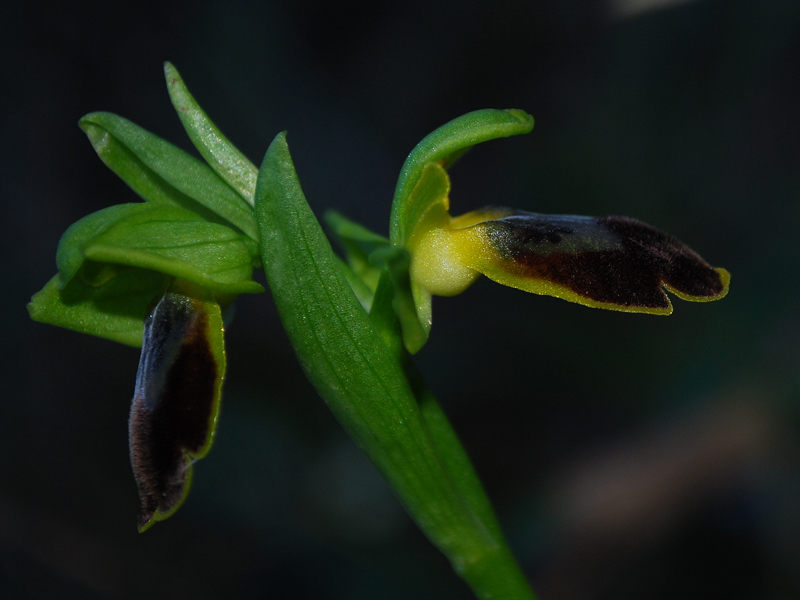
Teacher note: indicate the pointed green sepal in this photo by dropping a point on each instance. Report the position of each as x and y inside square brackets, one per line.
[176, 242]
[444, 145]
[167, 239]
[70, 255]
[161, 172]
[114, 263]
[230, 164]
[108, 301]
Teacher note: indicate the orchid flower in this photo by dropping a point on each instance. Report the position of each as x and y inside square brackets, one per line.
[616, 263]
[158, 275]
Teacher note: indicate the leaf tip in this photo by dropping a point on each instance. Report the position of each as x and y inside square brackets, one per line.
[523, 117]
[171, 74]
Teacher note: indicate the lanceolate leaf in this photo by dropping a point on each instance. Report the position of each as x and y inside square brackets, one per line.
[176, 402]
[363, 382]
[220, 154]
[115, 139]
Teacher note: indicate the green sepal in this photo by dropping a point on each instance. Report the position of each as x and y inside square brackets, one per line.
[162, 238]
[228, 162]
[137, 175]
[396, 261]
[151, 166]
[69, 255]
[362, 291]
[108, 301]
[432, 189]
[368, 254]
[446, 144]
[358, 243]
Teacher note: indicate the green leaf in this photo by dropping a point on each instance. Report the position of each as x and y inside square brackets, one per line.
[157, 163]
[453, 454]
[446, 144]
[362, 381]
[108, 301]
[384, 317]
[162, 238]
[219, 152]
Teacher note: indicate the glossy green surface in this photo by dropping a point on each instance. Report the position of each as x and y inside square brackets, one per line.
[219, 152]
[161, 172]
[365, 385]
[447, 144]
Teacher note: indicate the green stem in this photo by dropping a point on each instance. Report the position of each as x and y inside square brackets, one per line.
[496, 568]
[495, 573]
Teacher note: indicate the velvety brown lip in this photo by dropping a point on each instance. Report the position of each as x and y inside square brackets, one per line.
[630, 272]
[172, 405]
[679, 267]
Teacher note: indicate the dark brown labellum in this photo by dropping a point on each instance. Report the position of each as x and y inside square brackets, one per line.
[609, 262]
[173, 405]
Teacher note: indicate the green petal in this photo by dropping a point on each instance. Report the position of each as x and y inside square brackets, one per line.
[107, 301]
[219, 152]
[368, 254]
[161, 238]
[446, 144]
[151, 165]
[177, 398]
[69, 256]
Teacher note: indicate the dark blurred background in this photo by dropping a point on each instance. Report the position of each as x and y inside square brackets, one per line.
[628, 456]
